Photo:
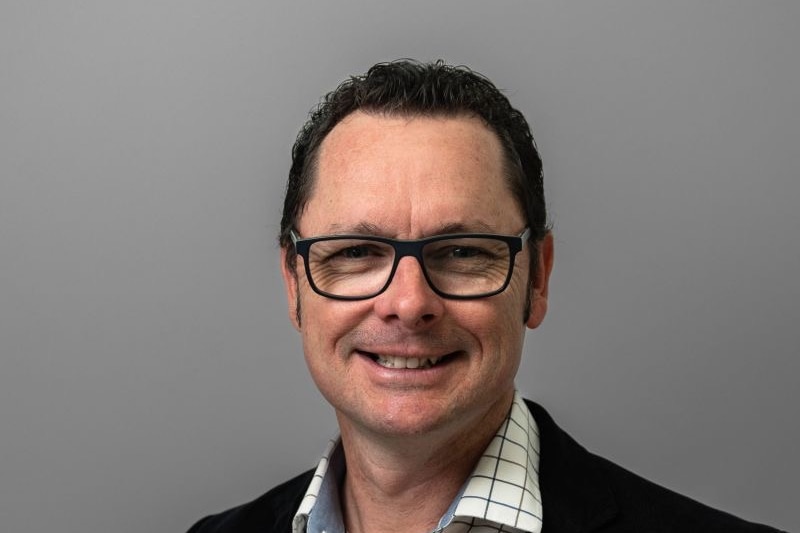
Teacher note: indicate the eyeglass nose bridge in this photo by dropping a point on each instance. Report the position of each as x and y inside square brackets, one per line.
[409, 249]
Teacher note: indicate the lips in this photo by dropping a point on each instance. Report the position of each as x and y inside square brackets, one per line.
[389, 361]
[404, 362]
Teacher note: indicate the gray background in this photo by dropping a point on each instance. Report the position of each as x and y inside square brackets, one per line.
[149, 374]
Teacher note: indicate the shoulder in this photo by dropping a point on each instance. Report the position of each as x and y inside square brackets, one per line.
[271, 512]
[583, 490]
[647, 506]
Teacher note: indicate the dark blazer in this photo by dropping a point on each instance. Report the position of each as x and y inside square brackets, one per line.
[581, 492]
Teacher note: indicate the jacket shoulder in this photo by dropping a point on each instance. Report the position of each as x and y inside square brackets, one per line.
[582, 492]
[270, 512]
[647, 506]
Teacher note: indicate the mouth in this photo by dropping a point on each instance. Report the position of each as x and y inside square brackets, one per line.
[411, 363]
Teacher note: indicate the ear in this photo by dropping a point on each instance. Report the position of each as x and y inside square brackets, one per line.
[540, 281]
[289, 275]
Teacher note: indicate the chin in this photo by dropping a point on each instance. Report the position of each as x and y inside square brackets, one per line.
[407, 419]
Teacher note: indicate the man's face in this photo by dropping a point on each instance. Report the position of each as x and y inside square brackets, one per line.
[410, 178]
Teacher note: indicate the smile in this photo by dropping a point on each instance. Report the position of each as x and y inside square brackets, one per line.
[390, 361]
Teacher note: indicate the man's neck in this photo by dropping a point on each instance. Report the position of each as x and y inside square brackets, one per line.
[407, 484]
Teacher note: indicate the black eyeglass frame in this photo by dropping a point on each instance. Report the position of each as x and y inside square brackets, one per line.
[412, 248]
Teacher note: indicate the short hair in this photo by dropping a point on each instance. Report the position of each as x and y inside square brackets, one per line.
[411, 88]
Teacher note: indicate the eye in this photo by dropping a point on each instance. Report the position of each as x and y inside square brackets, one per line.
[350, 251]
[356, 252]
[460, 252]
[465, 252]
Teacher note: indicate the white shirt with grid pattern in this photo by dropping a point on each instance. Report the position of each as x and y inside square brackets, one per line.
[501, 494]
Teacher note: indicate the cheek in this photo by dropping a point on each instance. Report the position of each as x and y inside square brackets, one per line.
[514, 309]
[497, 324]
[326, 322]
[319, 340]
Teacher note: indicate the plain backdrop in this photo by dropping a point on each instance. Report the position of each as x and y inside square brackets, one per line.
[148, 372]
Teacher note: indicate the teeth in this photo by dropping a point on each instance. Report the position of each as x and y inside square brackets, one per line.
[406, 362]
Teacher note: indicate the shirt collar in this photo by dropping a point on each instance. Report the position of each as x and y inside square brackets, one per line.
[503, 488]
[320, 510]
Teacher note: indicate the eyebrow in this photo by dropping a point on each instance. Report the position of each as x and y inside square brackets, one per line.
[461, 227]
[369, 228]
[362, 228]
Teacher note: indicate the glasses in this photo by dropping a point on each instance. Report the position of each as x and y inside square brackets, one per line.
[459, 266]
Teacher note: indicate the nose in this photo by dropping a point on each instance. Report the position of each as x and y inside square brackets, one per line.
[408, 298]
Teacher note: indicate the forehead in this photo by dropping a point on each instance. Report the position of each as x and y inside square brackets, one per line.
[361, 129]
[410, 174]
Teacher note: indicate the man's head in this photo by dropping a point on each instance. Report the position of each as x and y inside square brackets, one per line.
[426, 340]
[411, 89]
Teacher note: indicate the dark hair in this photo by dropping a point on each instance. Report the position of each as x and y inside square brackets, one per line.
[411, 88]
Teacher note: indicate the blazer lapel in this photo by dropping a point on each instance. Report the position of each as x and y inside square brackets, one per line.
[575, 496]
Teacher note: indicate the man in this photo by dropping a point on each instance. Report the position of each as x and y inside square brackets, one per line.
[415, 253]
